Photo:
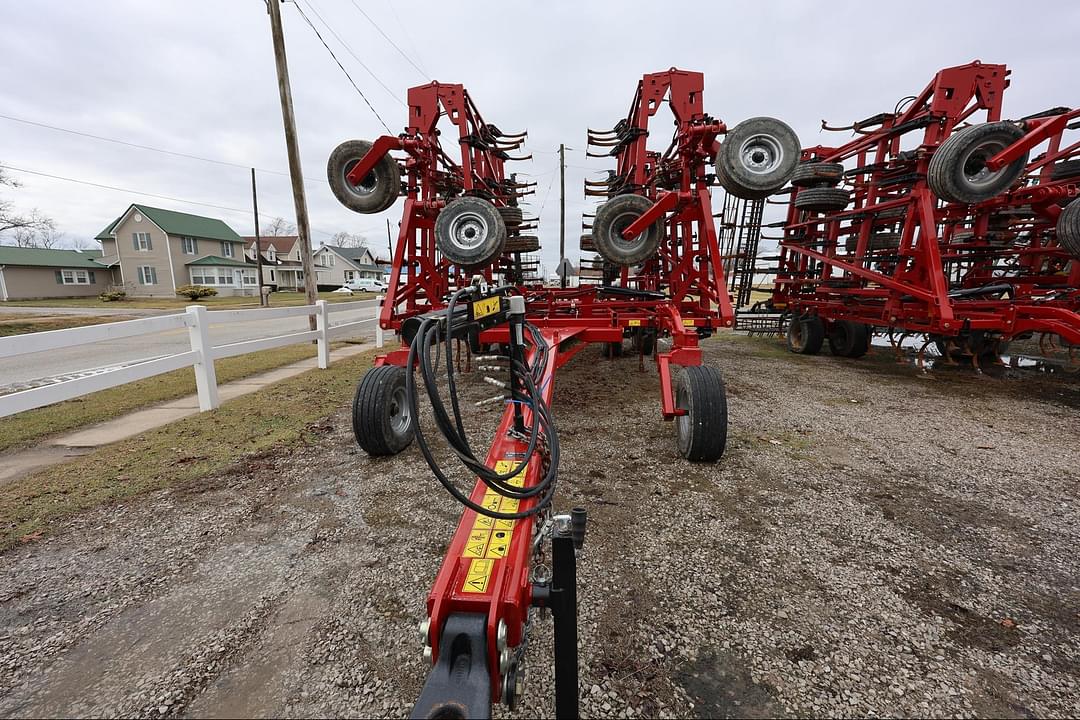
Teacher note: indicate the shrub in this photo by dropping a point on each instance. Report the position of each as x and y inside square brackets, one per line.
[194, 292]
[112, 296]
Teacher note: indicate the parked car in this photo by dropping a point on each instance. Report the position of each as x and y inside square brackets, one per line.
[366, 285]
[342, 289]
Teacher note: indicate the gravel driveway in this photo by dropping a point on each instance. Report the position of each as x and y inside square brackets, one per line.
[876, 541]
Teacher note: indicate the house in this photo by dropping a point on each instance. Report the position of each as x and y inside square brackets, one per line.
[347, 263]
[283, 268]
[27, 273]
[159, 250]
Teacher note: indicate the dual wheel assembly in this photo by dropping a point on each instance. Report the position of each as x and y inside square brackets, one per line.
[383, 424]
[806, 335]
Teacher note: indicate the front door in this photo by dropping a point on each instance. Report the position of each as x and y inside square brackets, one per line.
[238, 279]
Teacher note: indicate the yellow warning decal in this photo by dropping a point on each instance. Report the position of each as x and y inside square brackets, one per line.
[483, 522]
[509, 505]
[688, 322]
[633, 323]
[476, 580]
[504, 466]
[500, 543]
[485, 307]
[503, 524]
[475, 543]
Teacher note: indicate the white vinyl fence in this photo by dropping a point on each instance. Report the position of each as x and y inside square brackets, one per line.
[201, 356]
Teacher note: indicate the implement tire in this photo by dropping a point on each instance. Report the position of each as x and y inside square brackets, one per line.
[813, 174]
[470, 232]
[957, 171]
[805, 335]
[1068, 228]
[701, 434]
[616, 215]
[822, 199]
[381, 419]
[849, 339]
[757, 157]
[376, 192]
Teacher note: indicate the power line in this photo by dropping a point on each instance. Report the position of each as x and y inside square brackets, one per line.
[405, 30]
[144, 194]
[400, 51]
[80, 133]
[353, 82]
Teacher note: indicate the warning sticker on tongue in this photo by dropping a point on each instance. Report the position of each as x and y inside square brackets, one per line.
[476, 580]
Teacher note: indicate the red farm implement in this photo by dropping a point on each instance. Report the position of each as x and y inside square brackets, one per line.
[935, 221]
[455, 278]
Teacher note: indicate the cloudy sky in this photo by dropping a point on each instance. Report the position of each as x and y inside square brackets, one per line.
[197, 77]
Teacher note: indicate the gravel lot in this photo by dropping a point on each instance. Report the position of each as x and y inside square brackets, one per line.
[876, 541]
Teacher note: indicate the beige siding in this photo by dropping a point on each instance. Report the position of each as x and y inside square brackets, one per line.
[24, 283]
[131, 259]
[204, 247]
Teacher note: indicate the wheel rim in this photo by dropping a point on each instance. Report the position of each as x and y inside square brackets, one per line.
[400, 417]
[469, 230]
[761, 154]
[976, 174]
[683, 423]
[796, 333]
[365, 187]
[620, 223]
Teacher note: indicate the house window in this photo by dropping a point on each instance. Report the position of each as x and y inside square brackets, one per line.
[249, 277]
[190, 245]
[141, 242]
[272, 278]
[226, 249]
[272, 254]
[147, 275]
[348, 275]
[75, 277]
[328, 259]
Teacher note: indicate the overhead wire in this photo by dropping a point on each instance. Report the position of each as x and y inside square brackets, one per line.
[389, 40]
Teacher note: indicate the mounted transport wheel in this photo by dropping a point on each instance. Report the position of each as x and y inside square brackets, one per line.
[376, 192]
[616, 215]
[822, 199]
[958, 172]
[470, 232]
[805, 335]
[511, 216]
[381, 419]
[587, 243]
[849, 339]
[701, 433]
[817, 174]
[757, 157]
[1068, 228]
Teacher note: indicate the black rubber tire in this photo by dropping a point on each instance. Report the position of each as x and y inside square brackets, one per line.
[1068, 228]
[522, 244]
[613, 349]
[757, 157]
[511, 216]
[966, 152]
[849, 339]
[470, 232]
[878, 241]
[1065, 169]
[612, 218]
[805, 335]
[822, 199]
[377, 411]
[701, 434]
[817, 174]
[643, 340]
[379, 189]
[587, 243]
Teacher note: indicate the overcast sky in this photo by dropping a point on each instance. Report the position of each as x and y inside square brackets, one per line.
[197, 77]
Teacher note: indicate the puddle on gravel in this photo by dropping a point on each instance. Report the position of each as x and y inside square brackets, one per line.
[722, 688]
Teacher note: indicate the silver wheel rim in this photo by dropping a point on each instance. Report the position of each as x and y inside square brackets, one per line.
[761, 154]
[399, 411]
[469, 231]
[365, 187]
[975, 171]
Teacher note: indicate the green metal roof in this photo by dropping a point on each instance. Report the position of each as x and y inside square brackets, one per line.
[178, 223]
[40, 257]
[215, 260]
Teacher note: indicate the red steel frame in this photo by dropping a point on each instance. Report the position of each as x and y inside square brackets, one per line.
[908, 287]
[687, 268]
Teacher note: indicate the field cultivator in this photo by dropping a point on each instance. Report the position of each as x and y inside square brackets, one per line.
[937, 220]
[453, 284]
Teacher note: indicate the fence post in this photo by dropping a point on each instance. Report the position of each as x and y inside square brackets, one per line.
[205, 375]
[322, 325]
[378, 327]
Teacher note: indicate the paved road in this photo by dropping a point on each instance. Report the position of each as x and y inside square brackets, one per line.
[38, 368]
[16, 310]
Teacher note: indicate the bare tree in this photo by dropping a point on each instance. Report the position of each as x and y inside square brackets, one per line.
[349, 240]
[81, 244]
[12, 220]
[279, 226]
[50, 237]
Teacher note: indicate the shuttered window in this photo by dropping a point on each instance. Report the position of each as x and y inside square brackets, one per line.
[189, 245]
[147, 275]
[142, 242]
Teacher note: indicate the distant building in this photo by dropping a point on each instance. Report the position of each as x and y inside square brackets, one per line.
[283, 268]
[31, 273]
[347, 263]
[156, 251]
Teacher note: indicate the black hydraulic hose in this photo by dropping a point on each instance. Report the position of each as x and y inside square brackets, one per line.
[453, 430]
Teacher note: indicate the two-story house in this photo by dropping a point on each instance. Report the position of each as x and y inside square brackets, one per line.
[159, 250]
[347, 263]
[283, 268]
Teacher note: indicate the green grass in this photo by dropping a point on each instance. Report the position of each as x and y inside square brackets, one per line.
[22, 324]
[33, 426]
[278, 299]
[184, 453]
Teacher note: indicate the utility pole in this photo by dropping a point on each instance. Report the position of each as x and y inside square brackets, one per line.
[389, 242]
[562, 215]
[303, 229]
[264, 298]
